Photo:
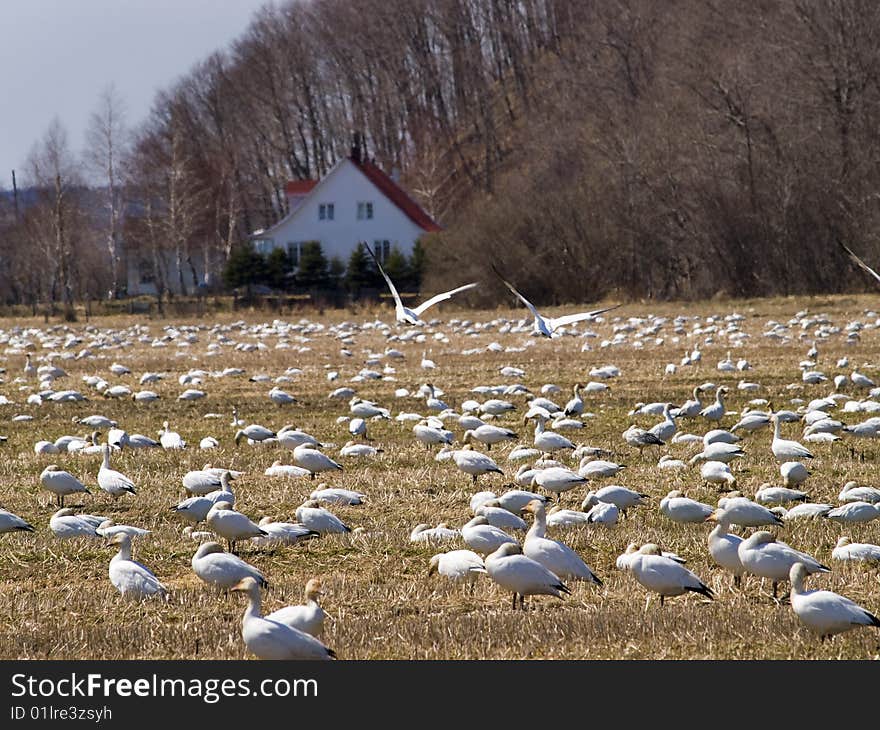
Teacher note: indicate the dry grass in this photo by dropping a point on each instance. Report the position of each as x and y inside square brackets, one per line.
[56, 600]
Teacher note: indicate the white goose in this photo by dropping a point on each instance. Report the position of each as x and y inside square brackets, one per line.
[679, 508]
[663, 575]
[458, 565]
[170, 439]
[220, 569]
[405, 315]
[474, 463]
[546, 326]
[723, 547]
[521, 575]
[10, 522]
[483, 538]
[282, 533]
[846, 549]
[61, 483]
[825, 612]
[314, 517]
[111, 481]
[763, 555]
[232, 525]
[556, 556]
[269, 639]
[65, 524]
[786, 450]
[308, 457]
[715, 411]
[131, 578]
[308, 617]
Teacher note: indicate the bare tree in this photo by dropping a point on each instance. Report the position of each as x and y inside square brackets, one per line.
[106, 146]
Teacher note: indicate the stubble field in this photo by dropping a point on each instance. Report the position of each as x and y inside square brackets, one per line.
[56, 600]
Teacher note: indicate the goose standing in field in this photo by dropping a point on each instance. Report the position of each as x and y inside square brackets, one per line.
[514, 500]
[195, 509]
[746, 513]
[61, 483]
[679, 508]
[111, 481]
[254, 433]
[474, 463]
[290, 437]
[846, 549]
[405, 315]
[232, 525]
[65, 524]
[308, 457]
[723, 547]
[663, 575]
[666, 429]
[718, 451]
[716, 411]
[281, 397]
[592, 468]
[763, 555]
[220, 569]
[270, 639]
[690, 408]
[717, 472]
[559, 517]
[311, 515]
[793, 472]
[483, 538]
[556, 556]
[546, 326]
[621, 497]
[170, 439]
[429, 435]
[575, 406]
[825, 612]
[786, 450]
[488, 434]
[521, 575]
[308, 617]
[549, 441]
[640, 438]
[131, 578]
[600, 513]
[458, 565]
[558, 480]
[10, 522]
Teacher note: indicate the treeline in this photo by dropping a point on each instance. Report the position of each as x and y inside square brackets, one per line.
[624, 148]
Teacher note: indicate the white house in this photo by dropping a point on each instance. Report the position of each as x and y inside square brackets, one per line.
[355, 201]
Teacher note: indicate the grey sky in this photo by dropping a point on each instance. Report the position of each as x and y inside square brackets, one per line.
[56, 56]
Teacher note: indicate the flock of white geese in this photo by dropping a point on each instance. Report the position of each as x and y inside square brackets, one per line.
[513, 536]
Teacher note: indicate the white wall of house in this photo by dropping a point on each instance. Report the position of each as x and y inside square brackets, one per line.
[343, 187]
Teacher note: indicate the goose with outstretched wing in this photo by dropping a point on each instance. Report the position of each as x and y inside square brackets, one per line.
[403, 314]
[547, 325]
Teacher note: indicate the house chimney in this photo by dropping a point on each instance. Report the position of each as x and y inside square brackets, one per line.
[356, 148]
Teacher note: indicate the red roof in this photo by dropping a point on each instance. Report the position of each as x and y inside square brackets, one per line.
[299, 187]
[396, 195]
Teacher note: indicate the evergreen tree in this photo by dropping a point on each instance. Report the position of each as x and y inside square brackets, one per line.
[417, 265]
[277, 268]
[398, 269]
[336, 273]
[361, 272]
[313, 268]
[245, 267]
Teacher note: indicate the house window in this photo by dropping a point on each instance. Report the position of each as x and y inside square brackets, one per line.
[325, 211]
[145, 272]
[382, 249]
[365, 211]
[263, 245]
[293, 251]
